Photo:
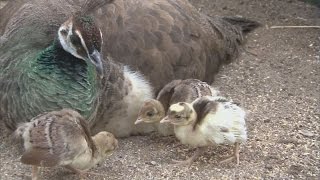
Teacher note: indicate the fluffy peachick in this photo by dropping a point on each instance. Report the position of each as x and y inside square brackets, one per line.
[208, 121]
[153, 110]
[62, 138]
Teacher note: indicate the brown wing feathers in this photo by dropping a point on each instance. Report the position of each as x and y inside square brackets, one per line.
[87, 134]
[166, 93]
[83, 128]
[42, 141]
[92, 5]
[7, 11]
[183, 91]
[40, 157]
[202, 107]
[48, 135]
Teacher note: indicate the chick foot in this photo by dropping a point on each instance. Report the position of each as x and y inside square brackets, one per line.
[35, 172]
[235, 154]
[188, 162]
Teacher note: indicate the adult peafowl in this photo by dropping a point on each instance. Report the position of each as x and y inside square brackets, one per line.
[158, 41]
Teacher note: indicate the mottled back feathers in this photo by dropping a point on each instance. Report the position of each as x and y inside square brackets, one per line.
[54, 137]
[184, 91]
[202, 108]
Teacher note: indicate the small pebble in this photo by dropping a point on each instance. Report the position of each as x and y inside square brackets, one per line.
[268, 166]
[306, 133]
[153, 163]
[267, 120]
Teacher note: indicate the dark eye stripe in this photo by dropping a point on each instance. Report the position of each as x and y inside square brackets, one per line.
[75, 40]
[64, 32]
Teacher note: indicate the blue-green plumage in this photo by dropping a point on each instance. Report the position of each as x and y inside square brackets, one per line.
[50, 80]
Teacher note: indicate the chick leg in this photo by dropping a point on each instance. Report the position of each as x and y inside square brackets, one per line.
[190, 160]
[35, 172]
[234, 155]
[236, 152]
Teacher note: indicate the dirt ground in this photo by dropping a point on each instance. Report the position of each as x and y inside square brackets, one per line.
[278, 84]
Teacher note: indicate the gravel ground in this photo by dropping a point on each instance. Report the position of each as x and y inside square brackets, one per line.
[277, 83]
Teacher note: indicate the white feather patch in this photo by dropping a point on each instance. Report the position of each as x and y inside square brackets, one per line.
[141, 88]
[176, 108]
[232, 120]
[139, 91]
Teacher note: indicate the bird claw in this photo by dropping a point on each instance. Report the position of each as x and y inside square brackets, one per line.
[227, 159]
[83, 176]
[190, 160]
[232, 157]
[235, 155]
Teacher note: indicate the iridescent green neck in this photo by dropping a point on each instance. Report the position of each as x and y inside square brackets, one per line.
[55, 79]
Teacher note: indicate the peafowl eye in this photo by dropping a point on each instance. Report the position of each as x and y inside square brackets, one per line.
[75, 40]
[150, 113]
[64, 32]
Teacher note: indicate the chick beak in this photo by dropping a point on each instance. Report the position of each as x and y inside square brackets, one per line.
[97, 59]
[165, 120]
[138, 121]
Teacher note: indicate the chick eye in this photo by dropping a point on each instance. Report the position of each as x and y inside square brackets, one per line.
[75, 40]
[150, 114]
[177, 116]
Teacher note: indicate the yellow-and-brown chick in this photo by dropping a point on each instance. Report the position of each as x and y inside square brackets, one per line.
[153, 110]
[208, 121]
[62, 138]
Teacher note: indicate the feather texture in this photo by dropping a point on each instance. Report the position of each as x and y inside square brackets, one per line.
[153, 110]
[208, 120]
[225, 124]
[184, 91]
[62, 138]
[163, 39]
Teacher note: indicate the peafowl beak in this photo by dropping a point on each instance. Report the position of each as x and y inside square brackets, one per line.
[97, 59]
[138, 121]
[165, 120]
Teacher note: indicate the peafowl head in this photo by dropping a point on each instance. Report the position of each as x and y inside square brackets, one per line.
[81, 37]
[106, 144]
[152, 111]
[180, 114]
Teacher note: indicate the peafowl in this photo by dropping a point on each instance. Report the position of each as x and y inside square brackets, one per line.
[144, 45]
